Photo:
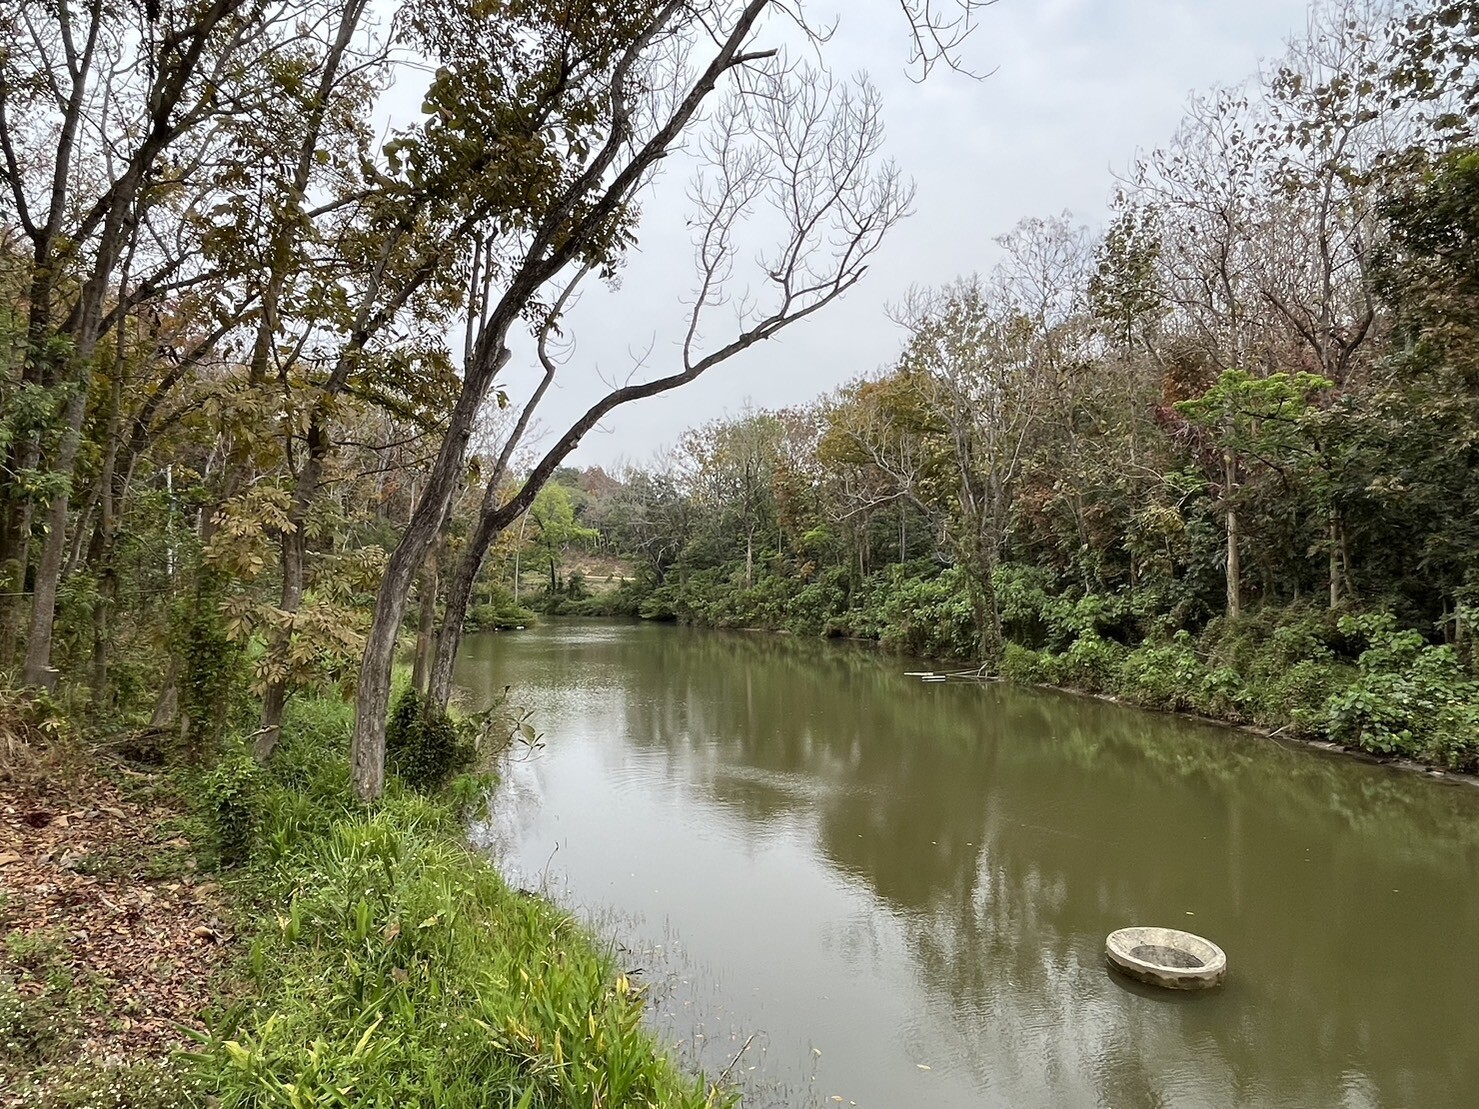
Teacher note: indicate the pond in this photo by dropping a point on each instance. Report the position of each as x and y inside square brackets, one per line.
[848, 886]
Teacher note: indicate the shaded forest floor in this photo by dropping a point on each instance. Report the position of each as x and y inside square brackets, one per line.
[113, 936]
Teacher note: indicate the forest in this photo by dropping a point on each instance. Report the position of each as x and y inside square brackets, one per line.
[262, 466]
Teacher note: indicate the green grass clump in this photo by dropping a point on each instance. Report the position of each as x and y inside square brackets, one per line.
[392, 966]
[424, 745]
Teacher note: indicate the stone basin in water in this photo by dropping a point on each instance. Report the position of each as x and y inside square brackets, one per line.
[1166, 957]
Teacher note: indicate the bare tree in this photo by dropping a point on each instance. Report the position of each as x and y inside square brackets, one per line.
[972, 351]
[786, 139]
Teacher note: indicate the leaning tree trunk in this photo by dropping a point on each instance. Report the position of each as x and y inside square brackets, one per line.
[454, 616]
[426, 626]
[372, 700]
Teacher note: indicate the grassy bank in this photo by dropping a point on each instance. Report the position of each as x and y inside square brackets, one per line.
[391, 966]
[373, 960]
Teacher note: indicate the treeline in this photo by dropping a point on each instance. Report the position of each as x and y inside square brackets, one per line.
[1221, 457]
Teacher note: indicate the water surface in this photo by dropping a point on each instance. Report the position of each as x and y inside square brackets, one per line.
[897, 893]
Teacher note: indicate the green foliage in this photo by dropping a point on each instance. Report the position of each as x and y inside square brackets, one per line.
[1091, 663]
[498, 611]
[392, 966]
[928, 616]
[423, 746]
[215, 682]
[820, 607]
[625, 600]
[231, 794]
[469, 795]
[556, 527]
[1023, 665]
[1409, 698]
[1165, 676]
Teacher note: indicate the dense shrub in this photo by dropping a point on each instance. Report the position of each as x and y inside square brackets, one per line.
[932, 617]
[1091, 662]
[1163, 676]
[423, 746]
[660, 604]
[232, 795]
[1024, 665]
[1296, 698]
[818, 608]
[1288, 669]
[624, 600]
[497, 610]
[1408, 698]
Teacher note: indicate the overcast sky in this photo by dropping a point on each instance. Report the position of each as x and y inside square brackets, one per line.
[1078, 86]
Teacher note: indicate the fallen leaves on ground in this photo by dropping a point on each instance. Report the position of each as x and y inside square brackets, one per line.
[98, 898]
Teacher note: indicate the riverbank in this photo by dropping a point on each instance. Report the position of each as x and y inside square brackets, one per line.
[360, 956]
[1358, 681]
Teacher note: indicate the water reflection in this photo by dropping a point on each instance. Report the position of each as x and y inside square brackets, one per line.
[922, 875]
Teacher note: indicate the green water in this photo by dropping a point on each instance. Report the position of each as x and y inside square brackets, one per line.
[897, 893]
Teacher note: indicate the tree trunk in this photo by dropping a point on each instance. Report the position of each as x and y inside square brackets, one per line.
[279, 685]
[459, 598]
[1332, 538]
[372, 701]
[107, 575]
[988, 615]
[90, 325]
[426, 626]
[38, 670]
[1234, 566]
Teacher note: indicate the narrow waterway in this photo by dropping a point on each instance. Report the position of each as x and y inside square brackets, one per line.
[897, 893]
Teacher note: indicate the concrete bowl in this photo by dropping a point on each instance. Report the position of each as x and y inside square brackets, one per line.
[1166, 957]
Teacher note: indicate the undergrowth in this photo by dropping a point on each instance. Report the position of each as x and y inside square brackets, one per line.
[1299, 669]
[389, 965]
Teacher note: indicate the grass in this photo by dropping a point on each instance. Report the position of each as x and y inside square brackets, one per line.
[377, 960]
[389, 965]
